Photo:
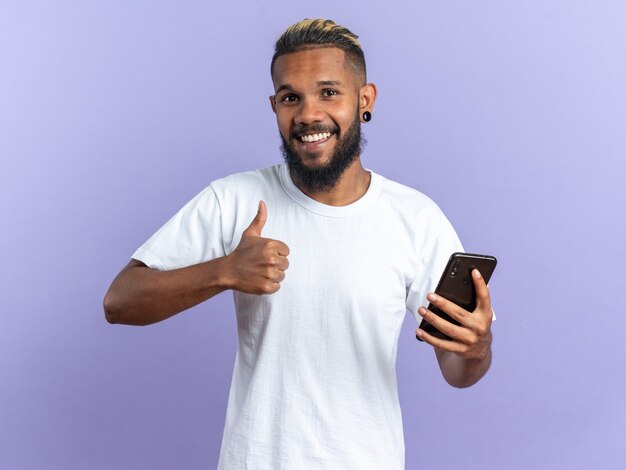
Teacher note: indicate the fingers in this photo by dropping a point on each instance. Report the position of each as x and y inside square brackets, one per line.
[472, 325]
[474, 331]
[476, 350]
[282, 248]
[279, 277]
[466, 342]
[459, 314]
[261, 261]
[256, 226]
[282, 263]
[483, 299]
[273, 277]
[446, 345]
[472, 339]
[465, 318]
[447, 328]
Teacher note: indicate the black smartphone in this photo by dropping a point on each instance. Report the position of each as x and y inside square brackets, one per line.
[456, 285]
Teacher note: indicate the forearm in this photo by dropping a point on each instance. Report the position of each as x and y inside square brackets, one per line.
[140, 295]
[461, 372]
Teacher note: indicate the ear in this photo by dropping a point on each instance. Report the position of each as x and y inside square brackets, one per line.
[367, 97]
[273, 103]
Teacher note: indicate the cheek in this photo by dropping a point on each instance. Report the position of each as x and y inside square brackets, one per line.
[284, 124]
[345, 119]
[345, 111]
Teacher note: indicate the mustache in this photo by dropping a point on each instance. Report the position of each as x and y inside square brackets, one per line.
[301, 130]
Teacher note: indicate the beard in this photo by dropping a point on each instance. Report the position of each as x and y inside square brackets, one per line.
[325, 177]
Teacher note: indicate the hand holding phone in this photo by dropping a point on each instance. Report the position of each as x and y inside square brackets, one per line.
[457, 286]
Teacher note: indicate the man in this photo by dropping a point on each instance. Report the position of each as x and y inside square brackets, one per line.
[324, 258]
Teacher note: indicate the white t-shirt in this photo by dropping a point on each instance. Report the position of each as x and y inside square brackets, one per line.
[314, 384]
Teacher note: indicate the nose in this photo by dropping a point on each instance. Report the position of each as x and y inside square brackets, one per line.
[308, 112]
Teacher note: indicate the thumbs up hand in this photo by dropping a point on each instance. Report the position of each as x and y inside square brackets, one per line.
[258, 264]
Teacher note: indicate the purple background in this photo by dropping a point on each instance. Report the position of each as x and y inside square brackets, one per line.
[511, 115]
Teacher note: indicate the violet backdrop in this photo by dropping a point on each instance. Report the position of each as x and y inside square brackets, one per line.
[510, 115]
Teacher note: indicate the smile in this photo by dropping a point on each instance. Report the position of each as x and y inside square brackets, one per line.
[315, 137]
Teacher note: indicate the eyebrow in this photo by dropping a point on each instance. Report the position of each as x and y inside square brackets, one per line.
[321, 83]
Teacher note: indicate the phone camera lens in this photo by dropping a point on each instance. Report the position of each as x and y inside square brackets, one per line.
[455, 268]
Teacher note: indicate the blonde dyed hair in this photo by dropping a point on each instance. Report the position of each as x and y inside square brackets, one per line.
[321, 33]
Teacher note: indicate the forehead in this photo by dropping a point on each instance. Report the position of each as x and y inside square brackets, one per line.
[314, 65]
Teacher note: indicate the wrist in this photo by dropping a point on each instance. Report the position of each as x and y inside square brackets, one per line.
[224, 276]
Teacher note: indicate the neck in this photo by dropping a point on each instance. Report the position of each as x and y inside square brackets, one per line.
[351, 187]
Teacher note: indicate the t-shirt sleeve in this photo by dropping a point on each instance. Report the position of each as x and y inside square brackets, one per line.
[192, 236]
[442, 242]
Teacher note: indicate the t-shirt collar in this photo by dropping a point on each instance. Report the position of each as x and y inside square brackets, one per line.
[324, 209]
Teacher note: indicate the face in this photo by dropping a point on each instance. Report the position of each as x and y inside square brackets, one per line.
[318, 104]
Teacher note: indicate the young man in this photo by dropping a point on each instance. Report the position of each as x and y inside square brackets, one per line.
[324, 258]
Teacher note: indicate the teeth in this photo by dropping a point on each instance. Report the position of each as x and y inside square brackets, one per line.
[315, 137]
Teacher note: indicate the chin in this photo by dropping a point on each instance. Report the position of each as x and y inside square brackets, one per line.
[315, 160]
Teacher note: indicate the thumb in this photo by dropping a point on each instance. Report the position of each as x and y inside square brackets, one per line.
[257, 224]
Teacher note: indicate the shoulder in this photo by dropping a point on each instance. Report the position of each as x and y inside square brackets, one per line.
[238, 195]
[247, 182]
[236, 190]
[406, 199]
[424, 220]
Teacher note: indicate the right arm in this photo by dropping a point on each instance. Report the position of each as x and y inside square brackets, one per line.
[140, 295]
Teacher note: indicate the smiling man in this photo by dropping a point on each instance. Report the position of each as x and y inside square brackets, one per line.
[324, 258]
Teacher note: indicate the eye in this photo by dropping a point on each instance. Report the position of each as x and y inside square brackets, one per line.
[290, 98]
[329, 92]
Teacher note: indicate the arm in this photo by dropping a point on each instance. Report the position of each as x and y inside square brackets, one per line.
[464, 360]
[140, 295]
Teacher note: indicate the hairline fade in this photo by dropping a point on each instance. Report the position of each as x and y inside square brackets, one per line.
[317, 34]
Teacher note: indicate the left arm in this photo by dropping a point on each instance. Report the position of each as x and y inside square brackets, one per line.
[466, 358]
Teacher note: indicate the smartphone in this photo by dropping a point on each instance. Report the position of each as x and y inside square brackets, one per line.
[456, 285]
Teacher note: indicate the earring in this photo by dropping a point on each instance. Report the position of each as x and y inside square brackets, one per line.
[367, 116]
